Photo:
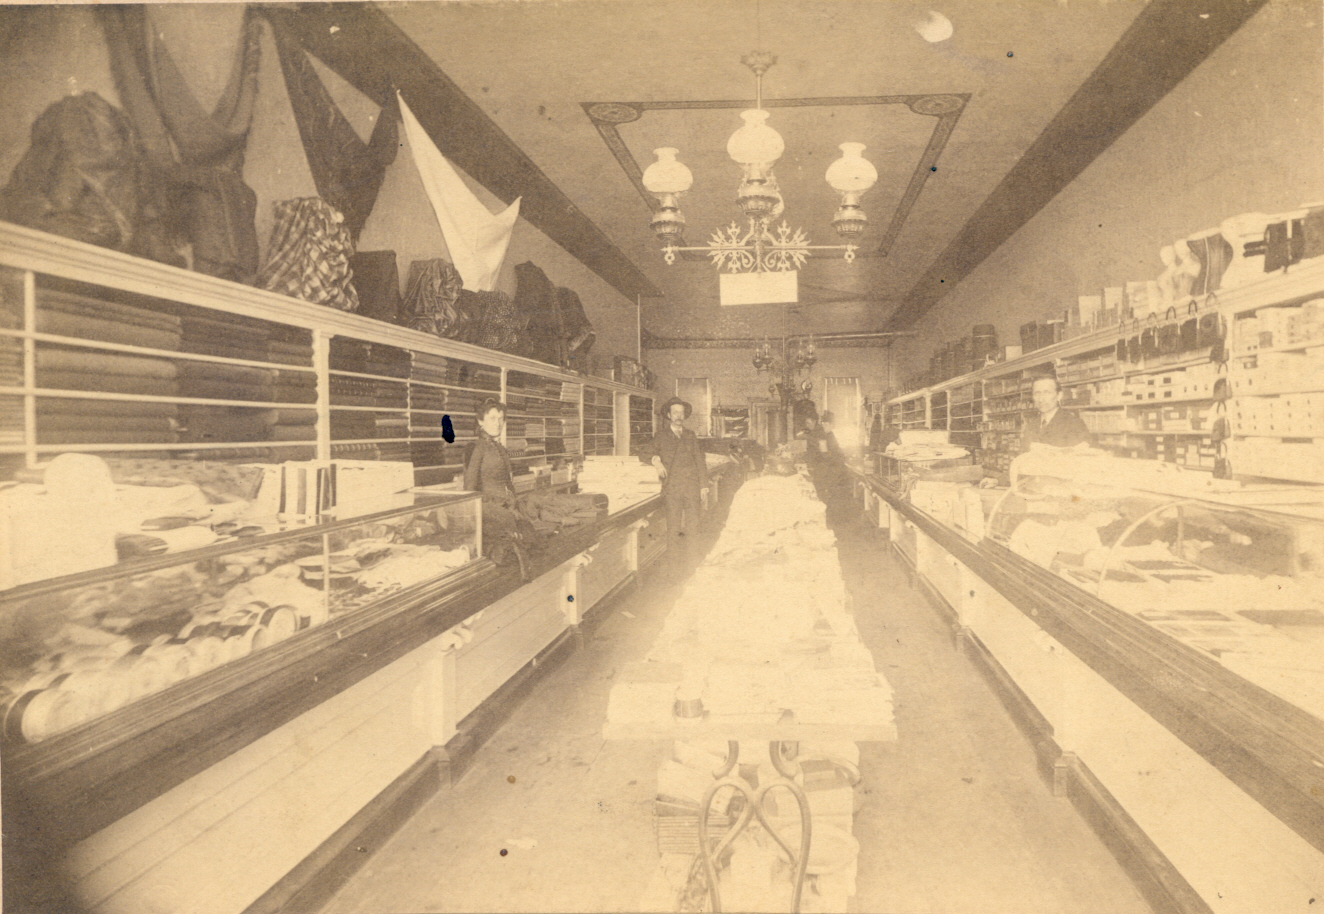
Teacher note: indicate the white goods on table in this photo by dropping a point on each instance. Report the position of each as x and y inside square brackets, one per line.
[624, 480]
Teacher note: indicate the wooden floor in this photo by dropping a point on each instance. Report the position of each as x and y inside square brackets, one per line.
[953, 818]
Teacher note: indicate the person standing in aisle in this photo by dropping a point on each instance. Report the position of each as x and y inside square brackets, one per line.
[1053, 426]
[684, 474]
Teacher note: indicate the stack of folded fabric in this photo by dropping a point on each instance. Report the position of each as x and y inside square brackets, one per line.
[294, 386]
[347, 390]
[63, 420]
[289, 346]
[354, 425]
[66, 368]
[11, 375]
[232, 336]
[222, 381]
[356, 451]
[72, 314]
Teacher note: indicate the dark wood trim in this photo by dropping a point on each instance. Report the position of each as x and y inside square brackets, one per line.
[1166, 890]
[1268, 747]
[363, 45]
[1166, 41]
[311, 884]
[86, 779]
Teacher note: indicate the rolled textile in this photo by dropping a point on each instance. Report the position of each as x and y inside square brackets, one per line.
[92, 422]
[219, 371]
[430, 302]
[256, 353]
[82, 406]
[108, 436]
[86, 360]
[117, 312]
[107, 383]
[224, 423]
[94, 328]
[295, 378]
[292, 433]
[226, 390]
[308, 257]
[292, 416]
[281, 393]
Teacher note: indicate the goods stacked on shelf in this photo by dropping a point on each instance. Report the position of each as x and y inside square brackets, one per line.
[599, 421]
[965, 413]
[542, 419]
[441, 387]
[641, 422]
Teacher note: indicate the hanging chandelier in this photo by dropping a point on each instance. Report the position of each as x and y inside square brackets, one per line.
[756, 147]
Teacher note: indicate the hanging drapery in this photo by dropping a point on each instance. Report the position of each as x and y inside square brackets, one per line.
[347, 171]
[308, 257]
[200, 156]
[477, 240]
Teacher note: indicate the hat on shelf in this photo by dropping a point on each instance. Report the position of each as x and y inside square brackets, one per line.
[665, 410]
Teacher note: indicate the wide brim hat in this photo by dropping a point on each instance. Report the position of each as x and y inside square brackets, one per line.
[665, 409]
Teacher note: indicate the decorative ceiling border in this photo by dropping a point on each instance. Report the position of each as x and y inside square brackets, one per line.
[945, 108]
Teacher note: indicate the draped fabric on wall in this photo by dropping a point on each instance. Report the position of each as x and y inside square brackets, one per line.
[199, 155]
[476, 239]
[309, 255]
[348, 172]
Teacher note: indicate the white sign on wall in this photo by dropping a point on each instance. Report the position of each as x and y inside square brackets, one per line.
[776, 288]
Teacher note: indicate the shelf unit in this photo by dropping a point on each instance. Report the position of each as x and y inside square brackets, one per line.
[641, 422]
[599, 422]
[105, 353]
[1169, 407]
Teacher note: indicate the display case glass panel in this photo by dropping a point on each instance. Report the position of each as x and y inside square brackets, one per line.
[80, 646]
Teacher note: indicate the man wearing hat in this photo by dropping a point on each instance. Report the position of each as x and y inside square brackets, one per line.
[684, 474]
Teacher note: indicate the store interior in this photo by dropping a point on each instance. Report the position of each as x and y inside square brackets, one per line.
[601, 455]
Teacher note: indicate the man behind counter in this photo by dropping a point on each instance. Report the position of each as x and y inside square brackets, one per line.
[1053, 426]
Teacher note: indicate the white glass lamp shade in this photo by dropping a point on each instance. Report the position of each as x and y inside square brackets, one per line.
[666, 175]
[852, 173]
[755, 143]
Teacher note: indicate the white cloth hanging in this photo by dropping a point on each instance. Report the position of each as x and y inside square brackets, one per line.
[477, 240]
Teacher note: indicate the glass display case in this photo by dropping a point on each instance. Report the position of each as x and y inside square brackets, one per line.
[80, 646]
[1237, 572]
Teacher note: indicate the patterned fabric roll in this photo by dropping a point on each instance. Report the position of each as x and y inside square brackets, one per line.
[431, 297]
[309, 255]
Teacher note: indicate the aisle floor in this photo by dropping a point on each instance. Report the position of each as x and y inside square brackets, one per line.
[952, 818]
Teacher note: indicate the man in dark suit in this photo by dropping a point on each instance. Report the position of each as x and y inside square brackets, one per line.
[680, 465]
[1053, 426]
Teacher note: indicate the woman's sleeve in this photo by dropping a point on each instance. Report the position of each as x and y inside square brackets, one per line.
[472, 468]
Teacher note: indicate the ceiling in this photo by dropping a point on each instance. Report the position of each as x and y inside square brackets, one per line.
[562, 103]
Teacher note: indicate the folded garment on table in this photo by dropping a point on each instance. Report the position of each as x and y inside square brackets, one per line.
[107, 383]
[117, 312]
[107, 331]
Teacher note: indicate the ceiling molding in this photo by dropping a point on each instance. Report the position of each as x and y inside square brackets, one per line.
[1167, 40]
[361, 44]
[945, 108]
